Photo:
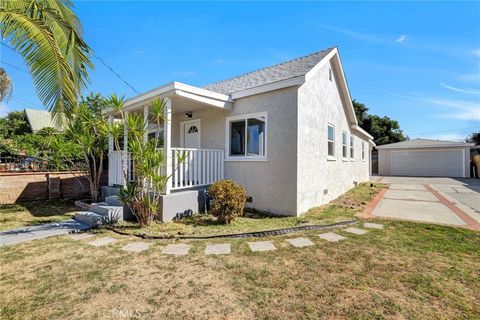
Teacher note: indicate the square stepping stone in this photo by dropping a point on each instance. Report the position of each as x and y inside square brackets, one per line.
[136, 247]
[261, 246]
[176, 249]
[373, 225]
[218, 249]
[300, 242]
[102, 242]
[355, 230]
[331, 236]
[81, 236]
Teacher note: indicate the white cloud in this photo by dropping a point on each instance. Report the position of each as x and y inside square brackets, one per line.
[469, 91]
[354, 34]
[471, 77]
[3, 109]
[476, 53]
[401, 38]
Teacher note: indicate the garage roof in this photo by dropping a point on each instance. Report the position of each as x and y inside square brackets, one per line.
[424, 143]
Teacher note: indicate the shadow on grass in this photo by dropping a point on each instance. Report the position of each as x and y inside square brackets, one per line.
[41, 208]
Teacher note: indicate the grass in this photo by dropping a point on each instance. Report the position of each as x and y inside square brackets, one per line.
[34, 212]
[406, 271]
[343, 208]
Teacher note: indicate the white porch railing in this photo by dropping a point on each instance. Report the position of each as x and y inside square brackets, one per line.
[201, 167]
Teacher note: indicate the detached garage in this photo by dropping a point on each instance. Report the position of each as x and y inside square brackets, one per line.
[425, 158]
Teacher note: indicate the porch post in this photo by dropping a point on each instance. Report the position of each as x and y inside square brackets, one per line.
[167, 143]
[111, 168]
[125, 149]
[145, 121]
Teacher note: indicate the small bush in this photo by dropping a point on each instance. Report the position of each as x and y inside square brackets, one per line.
[228, 200]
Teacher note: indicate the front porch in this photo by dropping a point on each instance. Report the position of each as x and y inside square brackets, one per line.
[180, 135]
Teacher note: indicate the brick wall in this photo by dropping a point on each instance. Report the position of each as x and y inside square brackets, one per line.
[27, 186]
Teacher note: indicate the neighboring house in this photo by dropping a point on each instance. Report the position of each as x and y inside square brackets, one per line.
[287, 133]
[425, 157]
[39, 119]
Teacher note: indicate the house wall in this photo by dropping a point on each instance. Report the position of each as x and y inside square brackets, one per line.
[321, 180]
[385, 158]
[272, 183]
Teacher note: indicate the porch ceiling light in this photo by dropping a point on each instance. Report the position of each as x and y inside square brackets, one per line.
[189, 114]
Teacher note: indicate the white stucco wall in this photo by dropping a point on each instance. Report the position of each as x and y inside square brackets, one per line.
[272, 183]
[320, 180]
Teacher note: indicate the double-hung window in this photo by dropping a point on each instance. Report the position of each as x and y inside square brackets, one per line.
[247, 137]
[351, 147]
[331, 140]
[344, 145]
[363, 150]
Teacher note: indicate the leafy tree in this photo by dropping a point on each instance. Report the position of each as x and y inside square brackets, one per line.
[14, 124]
[474, 138]
[48, 35]
[383, 129]
[89, 131]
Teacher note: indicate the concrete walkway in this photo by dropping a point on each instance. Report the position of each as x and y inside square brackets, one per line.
[14, 236]
[446, 201]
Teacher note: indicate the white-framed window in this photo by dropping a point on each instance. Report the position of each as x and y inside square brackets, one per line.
[351, 147]
[246, 137]
[344, 145]
[331, 140]
[363, 150]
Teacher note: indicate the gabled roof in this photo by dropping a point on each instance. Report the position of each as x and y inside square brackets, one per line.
[39, 119]
[424, 143]
[282, 71]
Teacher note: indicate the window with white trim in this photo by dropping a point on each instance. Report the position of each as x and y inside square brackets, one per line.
[363, 150]
[331, 140]
[247, 136]
[351, 147]
[344, 144]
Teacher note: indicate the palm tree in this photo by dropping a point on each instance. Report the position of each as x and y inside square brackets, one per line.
[6, 86]
[48, 35]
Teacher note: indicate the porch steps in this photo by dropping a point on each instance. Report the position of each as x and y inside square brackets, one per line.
[91, 219]
[113, 201]
[112, 213]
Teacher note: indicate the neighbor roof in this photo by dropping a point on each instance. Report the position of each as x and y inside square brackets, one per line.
[282, 71]
[39, 119]
[424, 143]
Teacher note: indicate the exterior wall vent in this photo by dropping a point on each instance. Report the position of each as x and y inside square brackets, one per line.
[325, 191]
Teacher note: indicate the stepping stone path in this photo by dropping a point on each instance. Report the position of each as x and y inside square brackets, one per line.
[217, 249]
[331, 236]
[176, 249]
[355, 231]
[300, 242]
[373, 225]
[136, 247]
[81, 236]
[261, 246]
[102, 241]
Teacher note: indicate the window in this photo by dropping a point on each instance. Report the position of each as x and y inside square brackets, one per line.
[351, 147]
[247, 136]
[331, 140]
[344, 144]
[363, 150]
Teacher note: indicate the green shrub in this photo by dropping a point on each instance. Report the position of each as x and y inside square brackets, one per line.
[228, 200]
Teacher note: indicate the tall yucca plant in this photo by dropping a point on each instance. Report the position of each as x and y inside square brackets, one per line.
[48, 35]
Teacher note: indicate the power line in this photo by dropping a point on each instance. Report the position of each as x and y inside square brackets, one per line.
[96, 56]
[14, 66]
[440, 131]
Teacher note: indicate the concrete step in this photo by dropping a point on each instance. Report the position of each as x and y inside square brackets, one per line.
[89, 218]
[113, 213]
[113, 201]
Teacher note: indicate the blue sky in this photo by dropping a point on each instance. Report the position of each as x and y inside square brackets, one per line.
[416, 62]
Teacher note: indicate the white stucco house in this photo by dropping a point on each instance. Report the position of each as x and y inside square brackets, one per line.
[287, 133]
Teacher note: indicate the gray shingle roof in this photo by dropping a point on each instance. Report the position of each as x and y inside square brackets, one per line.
[424, 143]
[282, 71]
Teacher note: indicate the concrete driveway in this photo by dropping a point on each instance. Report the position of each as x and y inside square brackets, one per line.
[447, 201]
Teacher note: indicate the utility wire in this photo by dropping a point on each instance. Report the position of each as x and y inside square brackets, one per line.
[14, 66]
[96, 56]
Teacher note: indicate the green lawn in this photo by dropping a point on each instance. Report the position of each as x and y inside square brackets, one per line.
[341, 209]
[35, 212]
[406, 271]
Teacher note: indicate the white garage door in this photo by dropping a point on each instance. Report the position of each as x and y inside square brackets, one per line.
[441, 163]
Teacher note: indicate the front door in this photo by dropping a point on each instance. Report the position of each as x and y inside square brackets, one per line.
[190, 134]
